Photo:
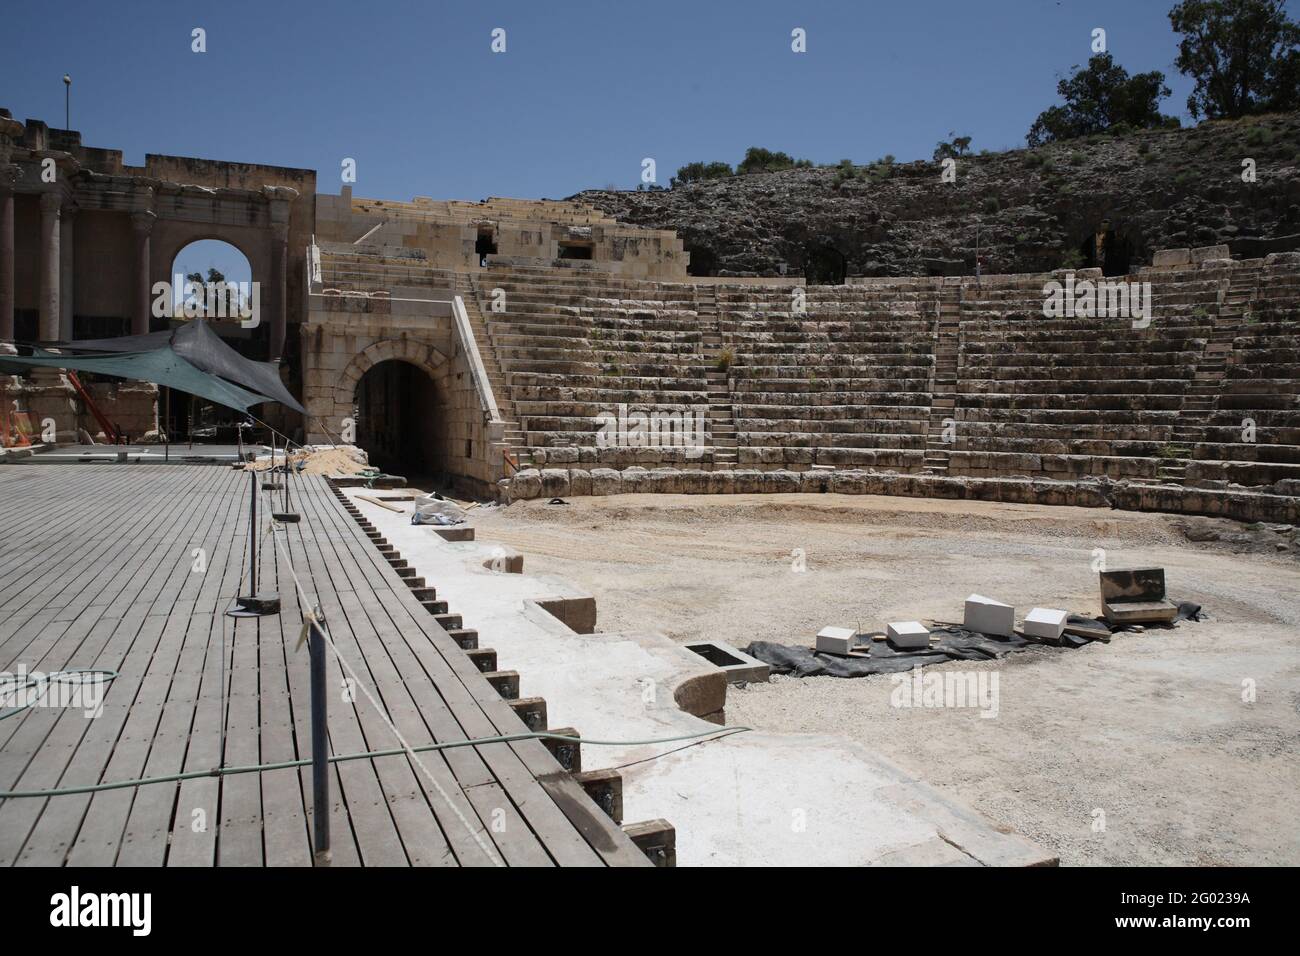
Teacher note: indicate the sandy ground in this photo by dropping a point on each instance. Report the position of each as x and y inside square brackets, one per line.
[1140, 751]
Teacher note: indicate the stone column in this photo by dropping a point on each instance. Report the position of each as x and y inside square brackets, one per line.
[51, 203]
[65, 272]
[9, 176]
[142, 223]
[279, 283]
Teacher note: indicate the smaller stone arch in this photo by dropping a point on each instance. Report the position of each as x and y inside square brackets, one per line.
[420, 354]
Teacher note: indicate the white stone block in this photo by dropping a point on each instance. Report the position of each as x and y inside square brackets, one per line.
[836, 640]
[987, 616]
[907, 635]
[1045, 622]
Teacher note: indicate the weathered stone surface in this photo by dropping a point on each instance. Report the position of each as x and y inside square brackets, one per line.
[1242, 505]
[606, 481]
[1171, 257]
[555, 482]
[1203, 254]
[579, 481]
[1159, 189]
[526, 484]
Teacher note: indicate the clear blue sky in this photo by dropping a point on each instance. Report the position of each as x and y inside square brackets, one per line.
[583, 92]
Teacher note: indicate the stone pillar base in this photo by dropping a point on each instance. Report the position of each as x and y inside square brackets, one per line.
[135, 411]
[49, 396]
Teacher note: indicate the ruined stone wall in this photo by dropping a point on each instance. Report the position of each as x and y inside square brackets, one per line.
[525, 232]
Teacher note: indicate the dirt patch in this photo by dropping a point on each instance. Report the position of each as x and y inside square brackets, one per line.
[1147, 750]
[335, 460]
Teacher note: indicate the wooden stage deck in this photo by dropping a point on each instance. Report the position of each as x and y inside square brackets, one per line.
[98, 569]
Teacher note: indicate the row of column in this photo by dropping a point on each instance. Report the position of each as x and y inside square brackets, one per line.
[56, 265]
[57, 268]
[9, 176]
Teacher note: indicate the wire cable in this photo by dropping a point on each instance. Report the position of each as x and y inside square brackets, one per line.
[715, 734]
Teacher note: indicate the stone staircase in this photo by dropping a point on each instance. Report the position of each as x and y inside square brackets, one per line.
[943, 387]
[722, 420]
[1202, 396]
[514, 435]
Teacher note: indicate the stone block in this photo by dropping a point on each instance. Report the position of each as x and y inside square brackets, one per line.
[1046, 623]
[836, 640]
[579, 481]
[907, 635]
[1135, 596]
[554, 482]
[1203, 254]
[526, 484]
[1164, 258]
[606, 481]
[987, 616]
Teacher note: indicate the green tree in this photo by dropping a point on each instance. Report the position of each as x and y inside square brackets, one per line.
[230, 293]
[759, 160]
[954, 147]
[1100, 98]
[1243, 54]
[694, 172]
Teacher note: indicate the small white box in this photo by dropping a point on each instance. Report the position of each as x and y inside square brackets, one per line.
[1045, 622]
[836, 640]
[907, 635]
[987, 616]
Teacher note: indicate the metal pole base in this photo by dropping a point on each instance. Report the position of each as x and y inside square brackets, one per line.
[255, 605]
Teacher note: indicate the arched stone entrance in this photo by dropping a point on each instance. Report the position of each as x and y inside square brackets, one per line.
[824, 265]
[395, 395]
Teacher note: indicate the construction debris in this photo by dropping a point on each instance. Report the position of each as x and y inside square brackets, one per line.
[436, 510]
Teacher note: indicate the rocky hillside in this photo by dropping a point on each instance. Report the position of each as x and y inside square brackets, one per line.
[1032, 210]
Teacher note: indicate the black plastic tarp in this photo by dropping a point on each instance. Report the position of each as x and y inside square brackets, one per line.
[955, 644]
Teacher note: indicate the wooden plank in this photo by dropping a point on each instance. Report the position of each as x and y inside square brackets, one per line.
[423, 840]
[74, 750]
[572, 830]
[421, 714]
[95, 570]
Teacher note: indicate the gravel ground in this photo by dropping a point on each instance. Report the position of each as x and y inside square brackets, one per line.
[1140, 751]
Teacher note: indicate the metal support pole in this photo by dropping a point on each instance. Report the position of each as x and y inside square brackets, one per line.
[320, 784]
[252, 533]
